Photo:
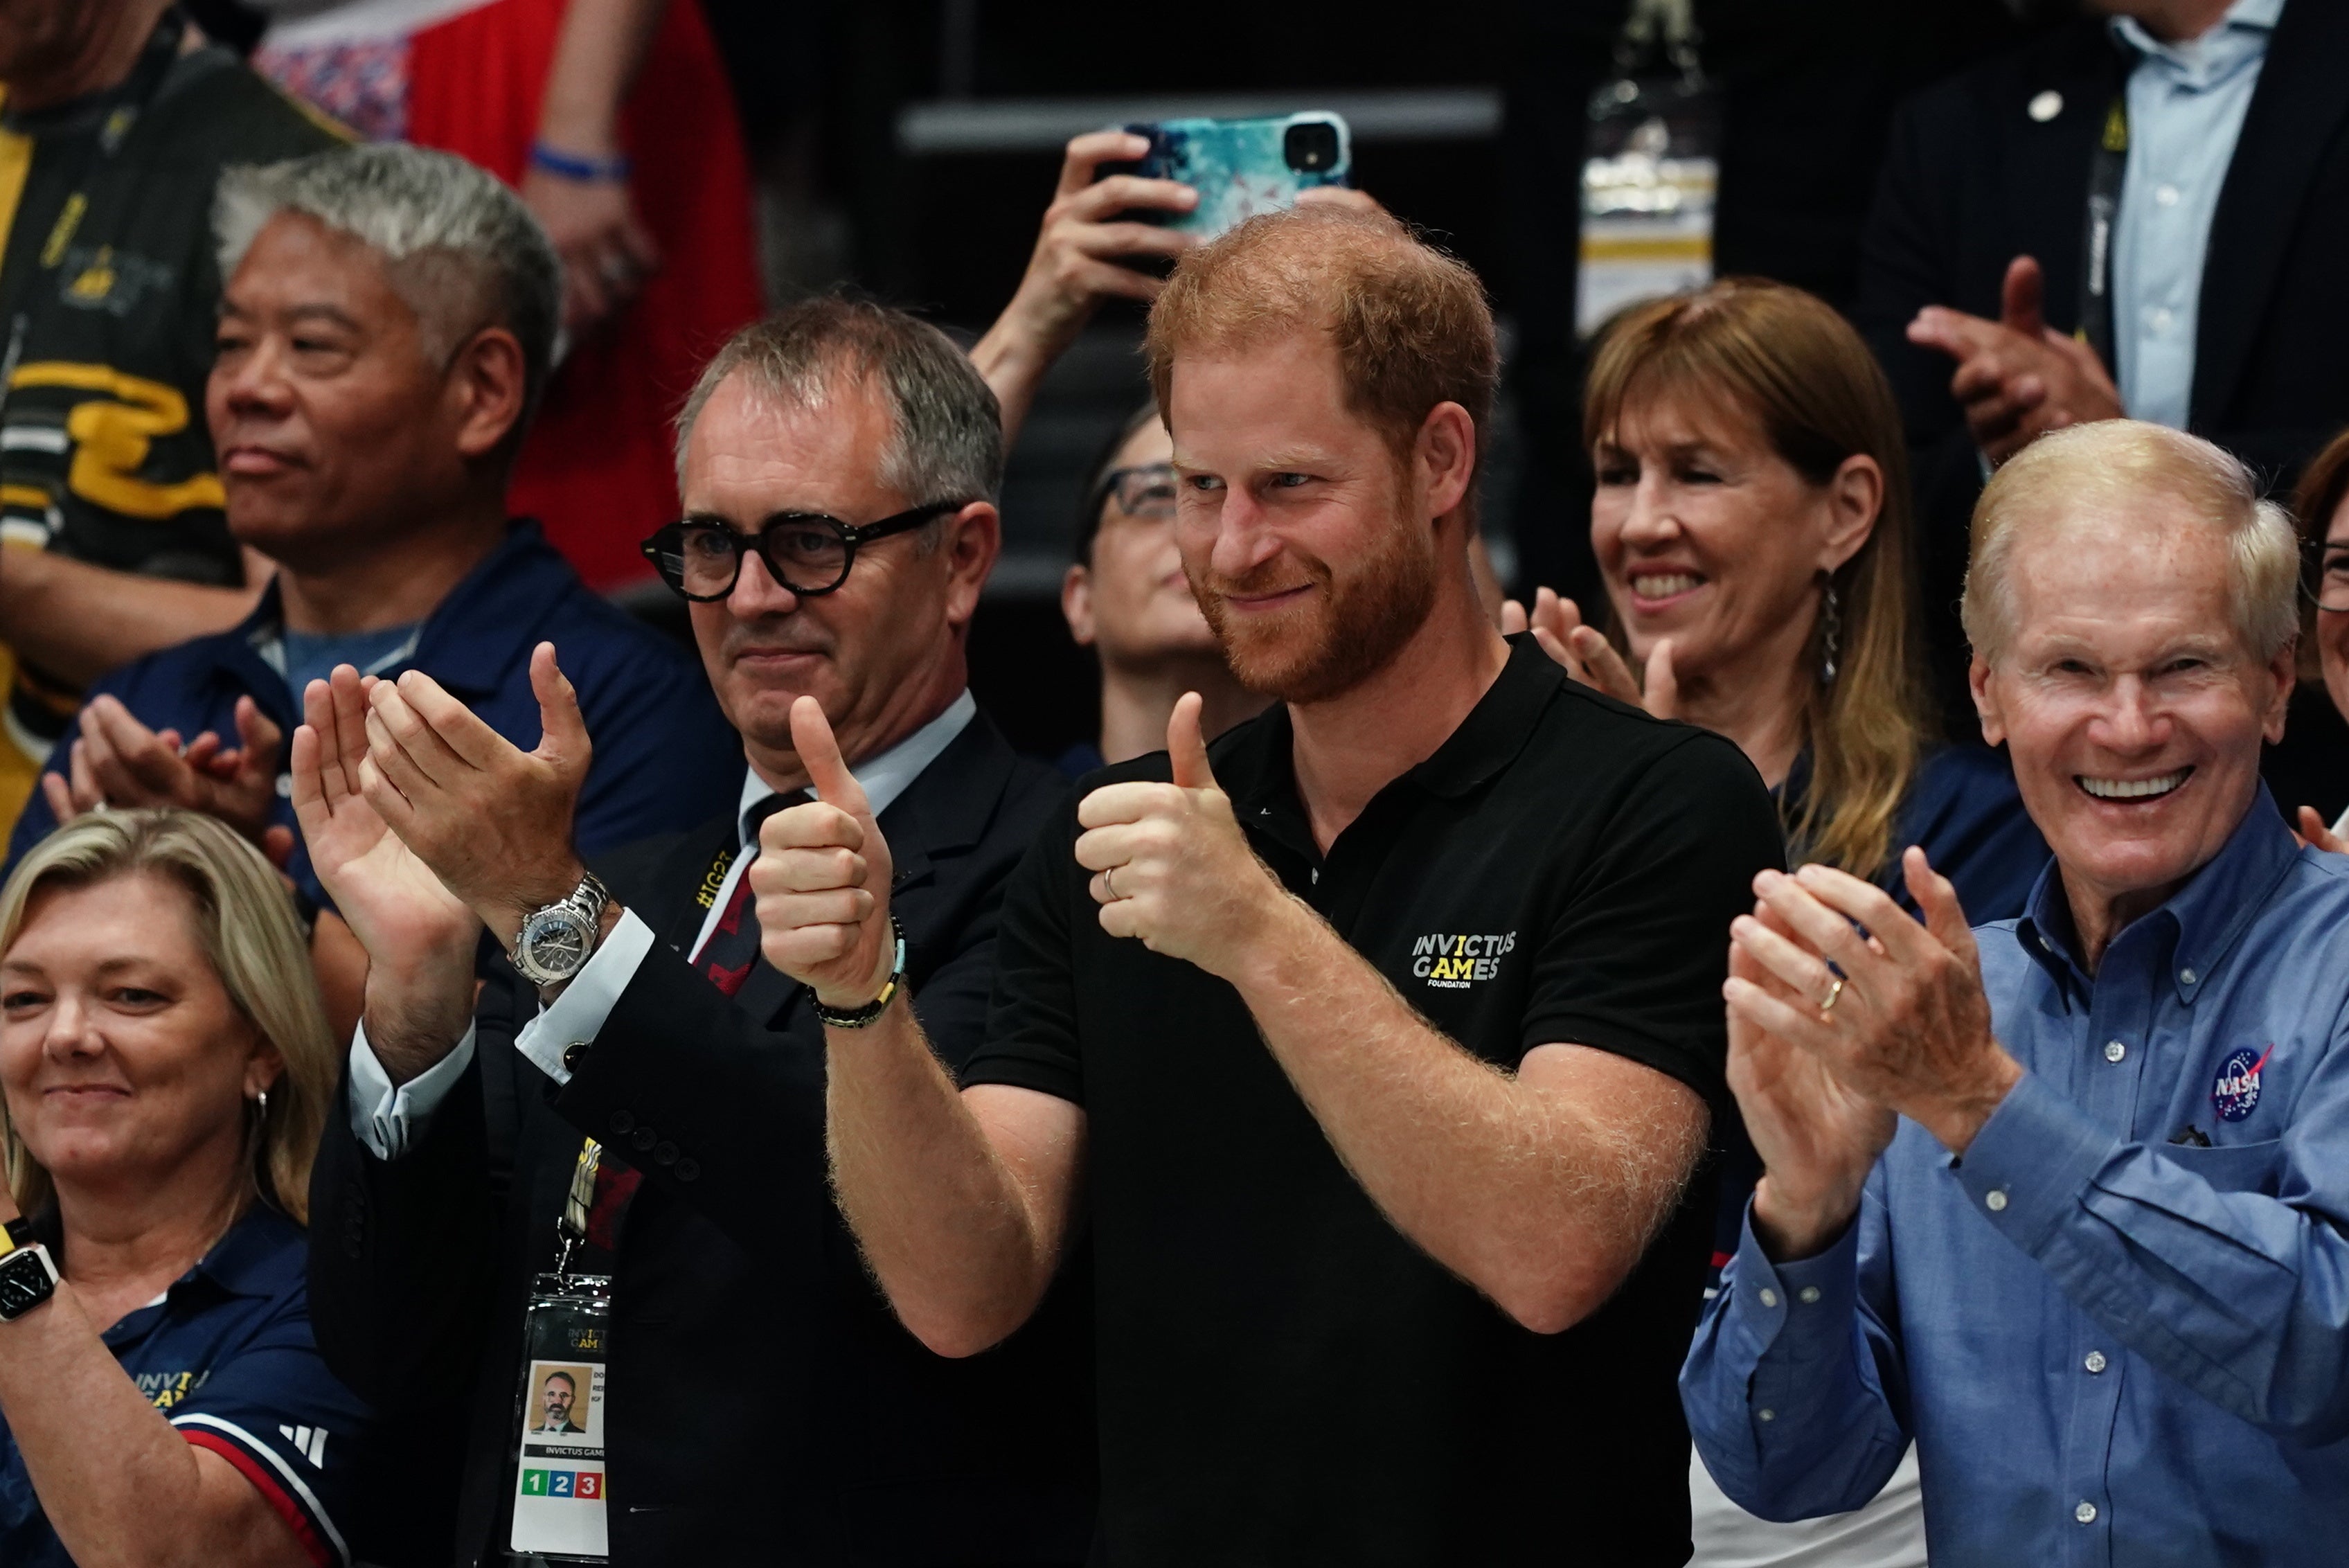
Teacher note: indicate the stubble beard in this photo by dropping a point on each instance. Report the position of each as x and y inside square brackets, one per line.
[1341, 634]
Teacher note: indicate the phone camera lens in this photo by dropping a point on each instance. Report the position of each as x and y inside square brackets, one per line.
[1311, 147]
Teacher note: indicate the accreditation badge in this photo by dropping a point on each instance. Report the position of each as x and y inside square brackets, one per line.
[559, 1496]
[1651, 168]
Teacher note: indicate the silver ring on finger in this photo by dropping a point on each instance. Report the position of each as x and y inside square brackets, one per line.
[1834, 995]
[1109, 885]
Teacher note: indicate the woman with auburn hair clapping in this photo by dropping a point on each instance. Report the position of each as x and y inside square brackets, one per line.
[165, 1069]
[1752, 524]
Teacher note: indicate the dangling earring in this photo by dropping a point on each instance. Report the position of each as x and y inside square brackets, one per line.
[1830, 634]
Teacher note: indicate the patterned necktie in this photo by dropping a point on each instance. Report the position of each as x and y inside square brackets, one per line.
[732, 950]
[726, 957]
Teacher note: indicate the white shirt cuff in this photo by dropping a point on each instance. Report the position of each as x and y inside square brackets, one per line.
[578, 1015]
[385, 1118]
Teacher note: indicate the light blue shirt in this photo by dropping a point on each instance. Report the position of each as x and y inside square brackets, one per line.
[2185, 108]
[385, 1118]
[2118, 1330]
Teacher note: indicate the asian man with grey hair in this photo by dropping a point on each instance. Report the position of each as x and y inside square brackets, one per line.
[2065, 1199]
[387, 324]
[839, 467]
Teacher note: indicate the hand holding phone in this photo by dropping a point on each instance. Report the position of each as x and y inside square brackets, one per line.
[1093, 223]
[1243, 167]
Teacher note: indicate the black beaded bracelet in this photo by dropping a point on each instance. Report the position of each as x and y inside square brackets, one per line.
[859, 1018]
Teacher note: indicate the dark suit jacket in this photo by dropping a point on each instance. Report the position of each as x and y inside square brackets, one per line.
[764, 1406]
[1971, 181]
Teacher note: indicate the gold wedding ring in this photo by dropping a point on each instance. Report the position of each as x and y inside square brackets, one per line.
[1835, 994]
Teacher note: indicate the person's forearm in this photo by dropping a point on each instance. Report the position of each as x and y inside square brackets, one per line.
[121, 1488]
[78, 621]
[1541, 1198]
[1012, 359]
[596, 57]
[960, 1250]
[2240, 1297]
[417, 1013]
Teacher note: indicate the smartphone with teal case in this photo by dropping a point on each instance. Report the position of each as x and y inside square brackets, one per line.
[1242, 167]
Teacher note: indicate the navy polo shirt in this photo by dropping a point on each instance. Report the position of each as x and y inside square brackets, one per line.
[664, 752]
[227, 1356]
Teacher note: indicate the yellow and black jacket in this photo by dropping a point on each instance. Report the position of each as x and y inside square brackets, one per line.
[110, 290]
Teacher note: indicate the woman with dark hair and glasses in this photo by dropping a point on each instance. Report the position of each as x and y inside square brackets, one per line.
[2322, 509]
[1126, 598]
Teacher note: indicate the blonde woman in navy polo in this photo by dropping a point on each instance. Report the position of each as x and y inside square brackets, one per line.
[165, 1066]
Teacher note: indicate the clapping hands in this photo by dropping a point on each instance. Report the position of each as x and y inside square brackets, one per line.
[1585, 653]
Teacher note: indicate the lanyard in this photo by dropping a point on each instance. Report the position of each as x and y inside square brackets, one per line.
[2107, 168]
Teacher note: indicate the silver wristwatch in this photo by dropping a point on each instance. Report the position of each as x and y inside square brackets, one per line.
[556, 940]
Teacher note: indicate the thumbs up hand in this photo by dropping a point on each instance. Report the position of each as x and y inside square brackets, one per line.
[1171, 865]
[822, 878]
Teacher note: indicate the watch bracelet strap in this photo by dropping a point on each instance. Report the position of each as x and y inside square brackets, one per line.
[590, 898]
[862, 1017]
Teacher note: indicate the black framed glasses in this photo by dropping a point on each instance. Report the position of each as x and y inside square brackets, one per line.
[1144, 492]
[2324, 573]
[807, 552]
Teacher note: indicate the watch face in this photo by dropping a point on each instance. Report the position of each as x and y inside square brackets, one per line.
[25, 1284]
[554, 943]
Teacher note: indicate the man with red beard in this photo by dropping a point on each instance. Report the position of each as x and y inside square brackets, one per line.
[1384, 1126]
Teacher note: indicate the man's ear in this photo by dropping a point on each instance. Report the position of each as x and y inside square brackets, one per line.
[1077, 605]
[2283, 669]
[488, 382]
[1444, 457]
[973, 539]
[1986, 702]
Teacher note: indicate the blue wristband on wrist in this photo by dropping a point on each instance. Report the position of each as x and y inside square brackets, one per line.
[576, 166]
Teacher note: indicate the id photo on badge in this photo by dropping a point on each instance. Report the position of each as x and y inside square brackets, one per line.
[567, 1404]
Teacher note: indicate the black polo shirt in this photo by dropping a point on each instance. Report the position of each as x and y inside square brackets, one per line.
[1284, 1378]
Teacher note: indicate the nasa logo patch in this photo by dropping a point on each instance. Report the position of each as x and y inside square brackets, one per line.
[2237, 1090]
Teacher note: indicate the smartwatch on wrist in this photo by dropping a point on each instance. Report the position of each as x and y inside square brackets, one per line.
[557, 941]
[861, 1017]
[27, 1277]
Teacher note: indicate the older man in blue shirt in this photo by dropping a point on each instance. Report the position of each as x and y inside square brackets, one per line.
[2061, 1199]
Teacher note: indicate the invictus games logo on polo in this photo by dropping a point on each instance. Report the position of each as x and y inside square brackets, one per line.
[2236, 1090]
[1455, 962]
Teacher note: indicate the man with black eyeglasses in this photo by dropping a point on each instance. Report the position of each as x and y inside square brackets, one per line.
[1126, 598]
[641, 1092]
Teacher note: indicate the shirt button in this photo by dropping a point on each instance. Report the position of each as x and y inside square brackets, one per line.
[2186, 977]
[2165, 194]
[2158, 318]
[1766, 1415]
[1995, 1199]
[2095, 1362]
[1808, 1295]
[1769, 1297]
[2115, 1050]
[2086, 1513]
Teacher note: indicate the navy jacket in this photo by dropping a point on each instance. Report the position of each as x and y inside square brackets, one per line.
[664, 752]
[1971, 180]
